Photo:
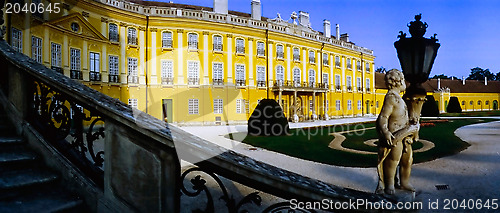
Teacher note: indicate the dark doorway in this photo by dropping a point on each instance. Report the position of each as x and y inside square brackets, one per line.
[167, 110]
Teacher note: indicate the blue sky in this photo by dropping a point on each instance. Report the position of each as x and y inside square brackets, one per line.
[469, 31]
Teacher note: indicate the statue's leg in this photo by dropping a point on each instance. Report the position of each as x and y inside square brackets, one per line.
[382, 154]
[405, 168]
[390, 166]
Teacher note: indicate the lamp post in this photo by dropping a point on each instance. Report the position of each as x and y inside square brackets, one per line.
[416, 56]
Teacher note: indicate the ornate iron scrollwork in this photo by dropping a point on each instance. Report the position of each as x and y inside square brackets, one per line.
[198, 185]
[69, 127]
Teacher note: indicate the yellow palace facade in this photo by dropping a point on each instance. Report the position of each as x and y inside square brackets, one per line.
[198, 65]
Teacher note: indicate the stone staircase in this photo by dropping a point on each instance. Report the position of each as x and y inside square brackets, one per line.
[26, 184]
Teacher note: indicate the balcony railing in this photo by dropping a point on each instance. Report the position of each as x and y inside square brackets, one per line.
[133, 79]
[217, 81]
[360, 89]
[278, 83]
[132, 40]
[193, 81]
[76, 74]
[94, 76]
[167, 80]
[337, 87]
[261, 83]
[166, 43]
[114, 78]
[240, 83]
[91, 130]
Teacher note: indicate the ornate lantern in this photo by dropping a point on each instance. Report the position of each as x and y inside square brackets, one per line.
[416, 54]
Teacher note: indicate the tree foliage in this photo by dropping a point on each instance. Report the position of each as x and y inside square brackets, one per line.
[381, 70]
[478, 73]
[441, 76]
[453, 105]
[430, 107]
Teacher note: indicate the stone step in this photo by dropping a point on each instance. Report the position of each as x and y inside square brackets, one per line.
[20, 179]
[45, 199]
[13, 156]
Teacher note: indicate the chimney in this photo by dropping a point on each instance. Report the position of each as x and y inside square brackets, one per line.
[304, 19]
[439, 83]
[327, 28]
[220, 6]
[337, 30]
[256, 11]
[485, 81]
[463, 80]
[344, 37]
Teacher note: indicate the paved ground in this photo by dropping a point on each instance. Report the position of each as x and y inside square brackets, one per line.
[473, 173]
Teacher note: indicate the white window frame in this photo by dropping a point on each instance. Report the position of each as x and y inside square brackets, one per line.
[358, 84]
[312, 77]
[325, 59]
[217, 43]
[367, 66]
[349, 105]
[132, 66]
[312, 56]
[261, 76]
[240, 46]
[261, 48]
[192, 41]
[280, 74]
[240, 106]
[297, 78]
[296, 54]
[132, 36]
[348, 80]
[167, 68]
[338, 85]
[359, 104]
[367, 85]
[218, 71]
[240, 72]
[193, 106]
[94, 62]
[193, 72]
[56, 55]
[17, 39]
[280, 51]
[349, 63]
[337, 105]
[218, 106]
[337, 61]
[36, 49]
[113, 33]
[75, 59]
[113, 66]
[167, 39]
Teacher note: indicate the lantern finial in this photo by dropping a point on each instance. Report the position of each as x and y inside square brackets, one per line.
[417, 27]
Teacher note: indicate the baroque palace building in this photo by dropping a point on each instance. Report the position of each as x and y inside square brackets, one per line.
[198, 65]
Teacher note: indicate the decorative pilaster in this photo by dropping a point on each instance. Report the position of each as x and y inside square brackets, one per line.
[180, 60]
[251, 80]
[153, 63]
[288, 67]
[205, 80]
[229, 70]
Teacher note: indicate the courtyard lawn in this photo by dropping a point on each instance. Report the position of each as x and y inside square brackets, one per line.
[472, 114]
[312, 143]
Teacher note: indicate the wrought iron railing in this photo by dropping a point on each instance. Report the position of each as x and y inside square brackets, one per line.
[261, 83]
[218, 81]
[240, 83]
[114, 78]
[76, 74]
[94, 76]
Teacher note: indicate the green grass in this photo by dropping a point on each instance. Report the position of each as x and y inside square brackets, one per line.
[312, 143]
[472, 114]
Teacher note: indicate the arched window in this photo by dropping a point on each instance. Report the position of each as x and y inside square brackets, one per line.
[132, 36]
[296, 54]
[280, 75]
[166, 39]
[193, 41]
[312, 78]
[217, 42]
[240, 45]
[113, 32]
[296, 77]
[463, 102]
[487, 103]
[280, 51]
[478, 102]
[471, 102]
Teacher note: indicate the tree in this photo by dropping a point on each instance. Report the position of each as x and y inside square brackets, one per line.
[453, 105]
[381, 70]
[478, 73]
[430, 107]
[497, 77]
[441, 76]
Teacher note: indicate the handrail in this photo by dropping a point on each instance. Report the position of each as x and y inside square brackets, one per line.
[159, 139]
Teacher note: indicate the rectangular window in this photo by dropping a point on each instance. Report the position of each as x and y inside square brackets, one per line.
[337, 82]
[217, 43]
[132, 103]
[325, 80]
[367, 84]
[349, 105]
[296, 77]
[337, 105]
[193, 106]
[166, 39]
[312, 78]
[280, 75]
[217, 73]
[192, 41]
[218, 106]
[367, 67]
[240, 75]
[337, 61]
[359, 105]
[56, 57]
[240, 46]
[310, 105]
[327, 107]
[325, 59]
[240, 106]
[349, 65]
[132, 36]
[193, 72]
[132, 71]
[75, 72]
[17, 40]
[261, 76]
[358, 65]
[113, 69]
[94, 73]
[312, 58]
[113, 32]
[167, 72]
[296, 54]
[261, 50]
[358, 84]
[280, 52]
[349, 83]
[36, 49]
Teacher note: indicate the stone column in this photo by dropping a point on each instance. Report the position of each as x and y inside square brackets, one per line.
[314, 116]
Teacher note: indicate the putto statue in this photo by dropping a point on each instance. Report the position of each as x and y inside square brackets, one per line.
[396, 134]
